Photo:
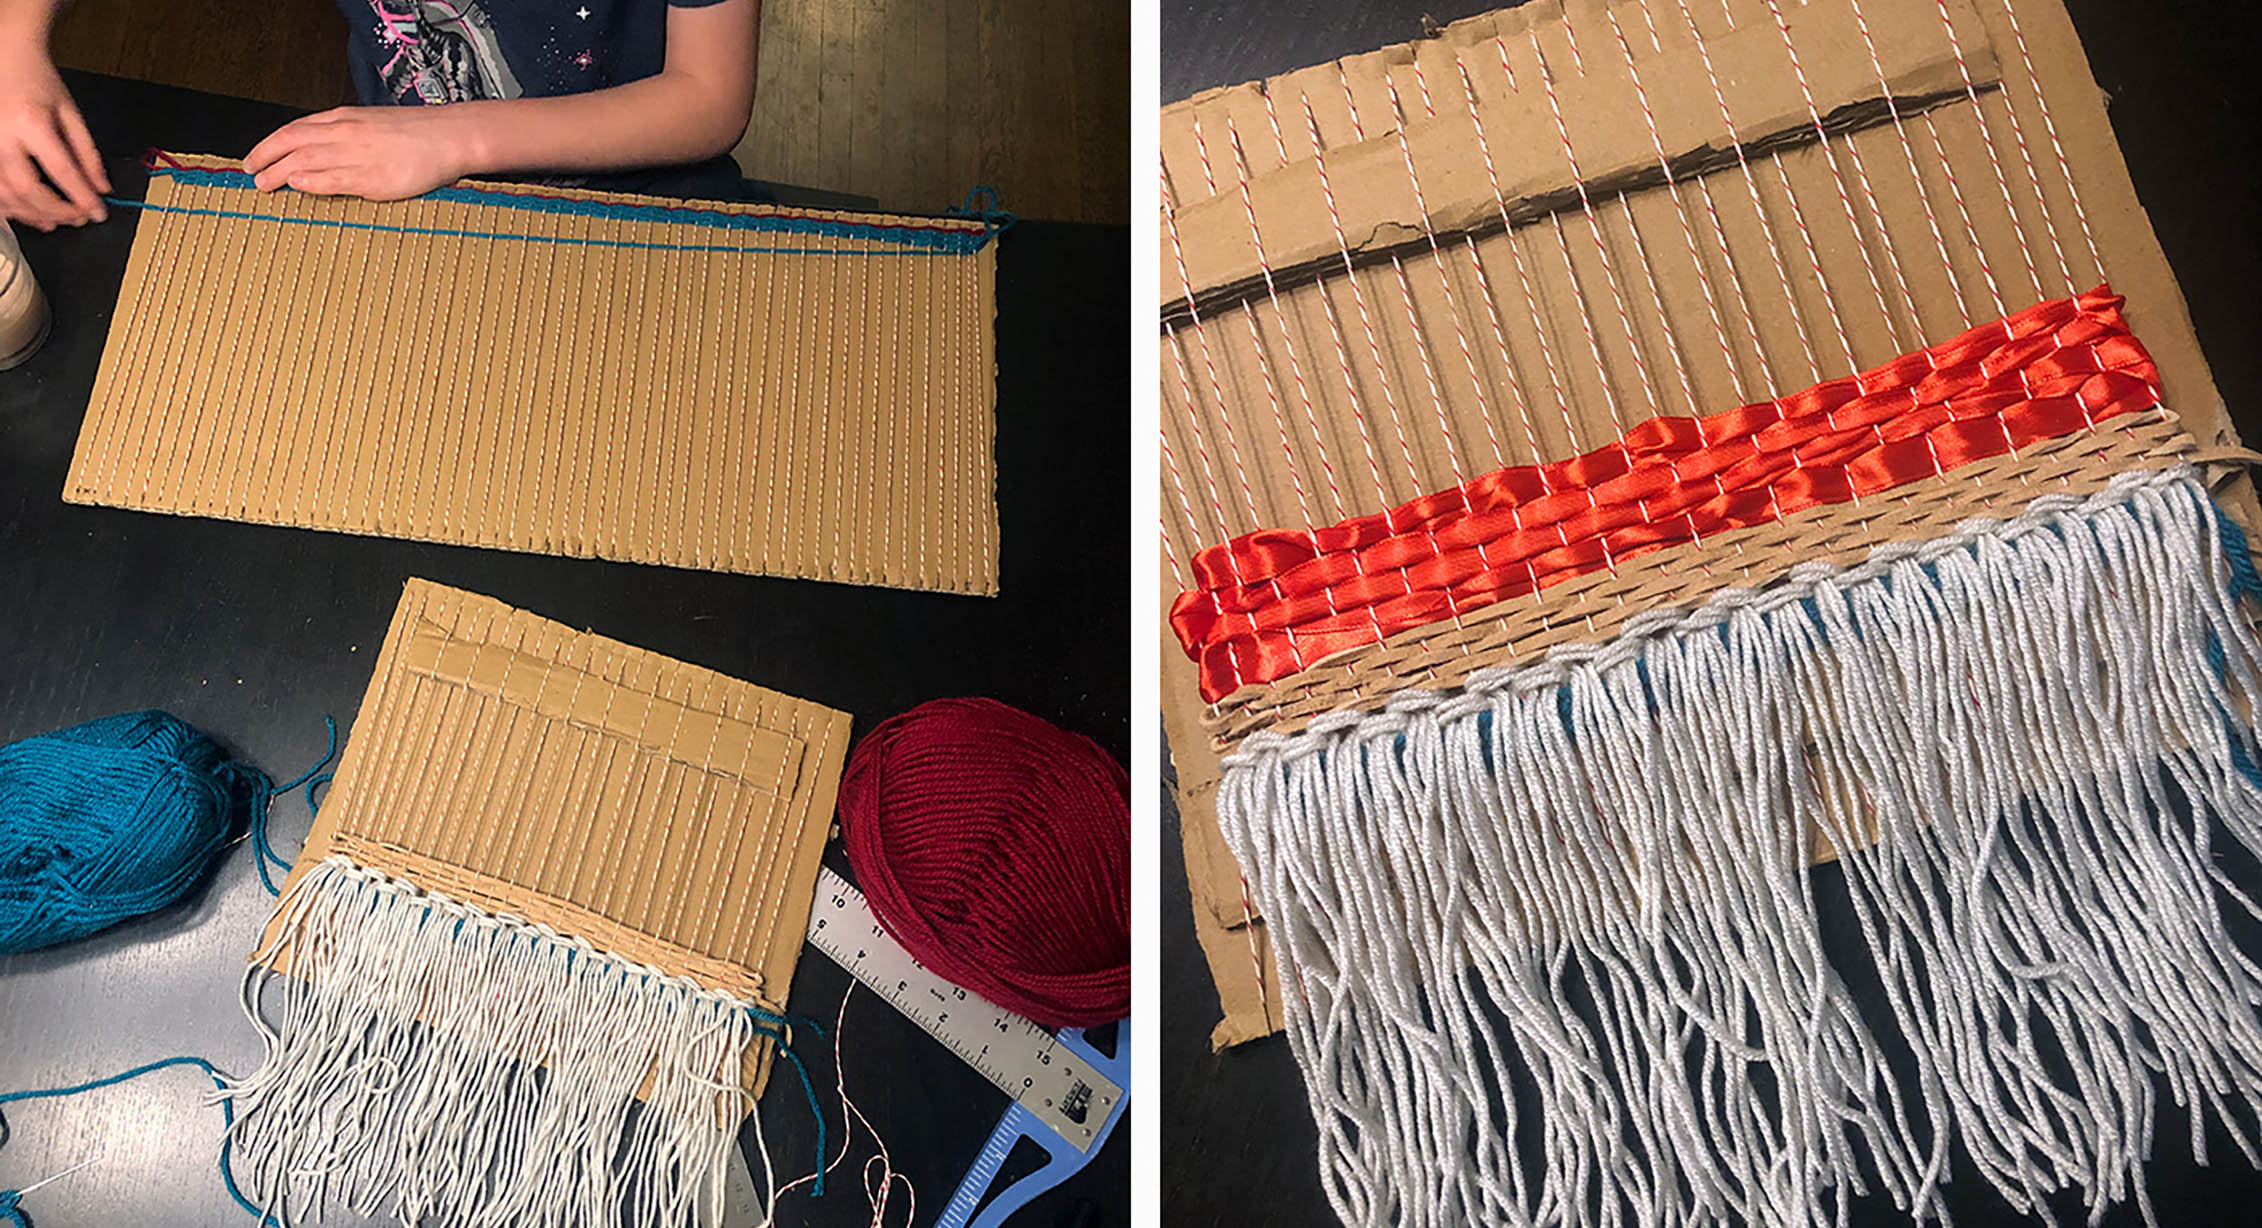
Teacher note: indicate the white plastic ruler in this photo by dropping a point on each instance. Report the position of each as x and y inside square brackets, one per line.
[1026, 1061]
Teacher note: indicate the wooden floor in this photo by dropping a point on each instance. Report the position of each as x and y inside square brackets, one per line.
[914, 102]
[910, 102]
[287, 51]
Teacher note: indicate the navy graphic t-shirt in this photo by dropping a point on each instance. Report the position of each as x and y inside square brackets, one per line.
[427, 52]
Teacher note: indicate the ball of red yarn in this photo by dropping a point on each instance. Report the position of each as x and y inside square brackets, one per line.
[996, 847]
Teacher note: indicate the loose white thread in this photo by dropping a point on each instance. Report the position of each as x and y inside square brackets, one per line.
[432, 1062]
[1567, 907]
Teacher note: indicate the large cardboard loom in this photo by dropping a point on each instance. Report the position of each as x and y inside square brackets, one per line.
[731, 387]
[1617, 453]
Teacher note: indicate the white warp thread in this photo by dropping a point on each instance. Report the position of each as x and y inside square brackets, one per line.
[1568, 906]
[433, 1062]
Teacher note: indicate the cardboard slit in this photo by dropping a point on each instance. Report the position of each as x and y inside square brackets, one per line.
[1525, 210]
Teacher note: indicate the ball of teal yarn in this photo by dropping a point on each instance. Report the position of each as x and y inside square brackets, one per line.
[105, 821]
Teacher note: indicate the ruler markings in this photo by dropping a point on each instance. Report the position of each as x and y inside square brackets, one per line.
[1019, 1055]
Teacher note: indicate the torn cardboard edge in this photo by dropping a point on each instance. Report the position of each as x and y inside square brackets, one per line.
[1396, 192]
[2115, 217]
[1242, 969]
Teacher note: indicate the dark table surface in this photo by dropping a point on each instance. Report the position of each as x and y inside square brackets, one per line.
[253, 633]
[1238, 1144]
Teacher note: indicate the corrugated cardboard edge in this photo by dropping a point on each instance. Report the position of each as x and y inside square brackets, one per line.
[1240, 962]
[2156, 313]
[989, 367]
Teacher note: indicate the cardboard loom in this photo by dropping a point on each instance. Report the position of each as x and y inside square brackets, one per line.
[1450, 223]
[661, 812]
[730, 387]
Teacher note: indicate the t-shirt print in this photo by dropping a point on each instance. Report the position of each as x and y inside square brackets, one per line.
[439, 51]
[427, 52]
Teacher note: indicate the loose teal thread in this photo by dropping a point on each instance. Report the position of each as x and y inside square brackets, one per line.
[2245, 588]
[559, 240]
[313, 806]
[2246, 583]
[780, 1028]
[329, 724]
[994, 216]
[259, 796]
[10, 1200]
[264, 797]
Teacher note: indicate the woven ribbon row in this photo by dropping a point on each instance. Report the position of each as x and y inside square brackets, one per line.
[1272, 602]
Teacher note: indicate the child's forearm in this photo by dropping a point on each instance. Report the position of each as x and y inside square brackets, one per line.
[657, 121]
[388, 153]
[28, 21]
[696, 107]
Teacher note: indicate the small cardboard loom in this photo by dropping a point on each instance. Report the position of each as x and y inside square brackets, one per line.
[1463, 349]
[1620, 452]
[561, 872]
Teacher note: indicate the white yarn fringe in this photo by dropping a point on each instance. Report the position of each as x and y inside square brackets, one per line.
[1567, 909]
[432, 1062]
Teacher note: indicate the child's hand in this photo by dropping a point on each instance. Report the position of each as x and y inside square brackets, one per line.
[377, 153]
[40, 131]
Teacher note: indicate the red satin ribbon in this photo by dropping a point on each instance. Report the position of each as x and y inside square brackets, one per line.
[1271, 602]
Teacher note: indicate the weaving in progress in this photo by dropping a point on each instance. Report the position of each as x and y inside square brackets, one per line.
[1619, 453]
[556, 875]
[743, 388]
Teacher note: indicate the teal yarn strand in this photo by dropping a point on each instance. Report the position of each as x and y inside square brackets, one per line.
[263, 797]
[109, 820]
[907, 233]
[780, 1028]
[896, 237]
[11, 1201]
[982, 202]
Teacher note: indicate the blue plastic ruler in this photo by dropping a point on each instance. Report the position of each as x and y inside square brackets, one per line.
[1063, 1159]
[1066, 1095]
